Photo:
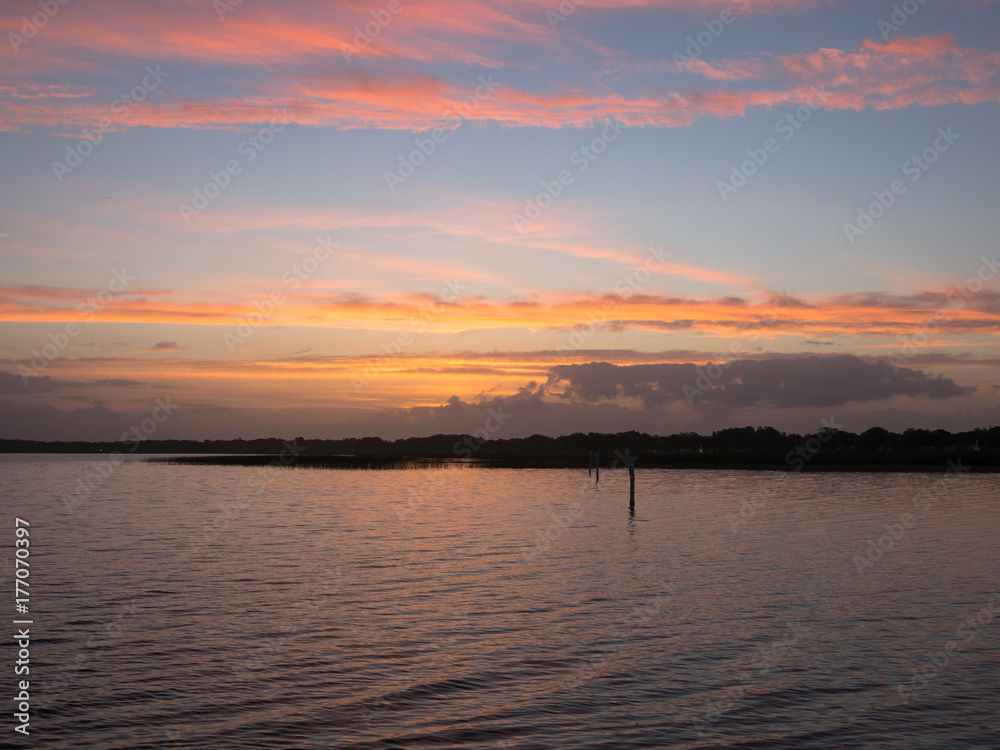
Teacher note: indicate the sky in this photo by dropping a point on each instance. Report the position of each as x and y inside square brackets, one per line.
[248, 218]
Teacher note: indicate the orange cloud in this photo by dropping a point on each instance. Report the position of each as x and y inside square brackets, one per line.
[387, 382]
[877, 315]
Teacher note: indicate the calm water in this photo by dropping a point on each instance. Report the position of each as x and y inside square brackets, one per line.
[208, 607]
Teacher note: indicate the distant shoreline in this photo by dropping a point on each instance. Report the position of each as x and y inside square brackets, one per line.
[746, 448]
[930, 462]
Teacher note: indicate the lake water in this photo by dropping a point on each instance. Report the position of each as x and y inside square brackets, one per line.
[214, 607]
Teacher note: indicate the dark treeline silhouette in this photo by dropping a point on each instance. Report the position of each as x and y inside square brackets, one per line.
[741, 447]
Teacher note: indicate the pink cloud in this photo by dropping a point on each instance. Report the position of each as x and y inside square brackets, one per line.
[280, 48]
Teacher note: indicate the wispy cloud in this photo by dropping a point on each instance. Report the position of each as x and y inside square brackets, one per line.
[869, 314]
[901, 72]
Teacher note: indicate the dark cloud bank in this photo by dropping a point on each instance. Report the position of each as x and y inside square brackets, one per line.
[782, 383]
[782, 392]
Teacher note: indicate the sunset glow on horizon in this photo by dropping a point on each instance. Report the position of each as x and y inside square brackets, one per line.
[340, 220]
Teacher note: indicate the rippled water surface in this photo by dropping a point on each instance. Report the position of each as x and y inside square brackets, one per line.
[216, 607]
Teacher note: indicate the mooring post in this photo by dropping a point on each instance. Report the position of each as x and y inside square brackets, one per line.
[631, 482]
[590, 462]
[597, 465]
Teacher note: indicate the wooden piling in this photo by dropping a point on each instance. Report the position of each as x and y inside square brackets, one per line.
[631, 482]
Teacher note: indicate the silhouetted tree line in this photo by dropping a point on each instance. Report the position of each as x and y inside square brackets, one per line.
[730, 441]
